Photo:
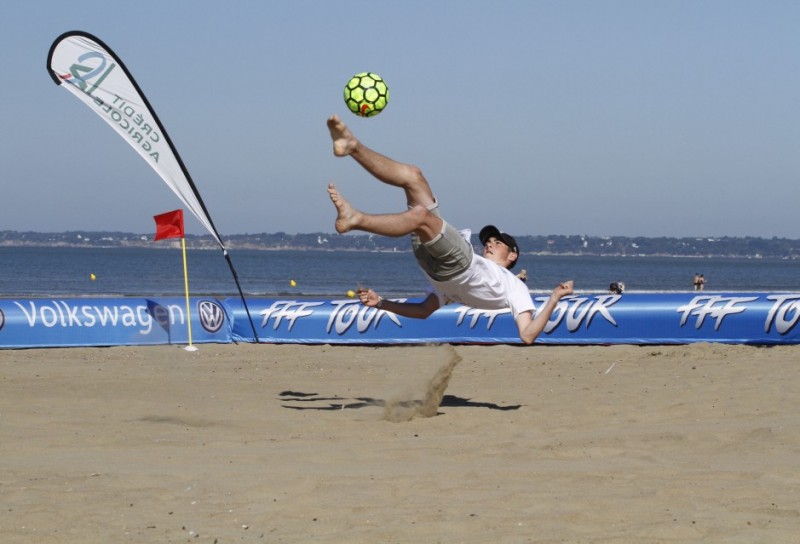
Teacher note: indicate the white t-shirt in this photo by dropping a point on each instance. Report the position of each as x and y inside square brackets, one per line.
[485, 285]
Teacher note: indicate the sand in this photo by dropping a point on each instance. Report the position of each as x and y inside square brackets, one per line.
[288, 443]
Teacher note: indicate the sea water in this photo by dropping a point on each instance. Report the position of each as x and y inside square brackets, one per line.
[59, 271]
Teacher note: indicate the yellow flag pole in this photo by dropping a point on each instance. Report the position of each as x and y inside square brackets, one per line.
[190, 347]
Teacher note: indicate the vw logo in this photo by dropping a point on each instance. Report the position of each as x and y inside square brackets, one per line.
[212, 316]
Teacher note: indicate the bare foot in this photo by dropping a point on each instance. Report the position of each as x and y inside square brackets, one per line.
[344, 142]
[347, 216]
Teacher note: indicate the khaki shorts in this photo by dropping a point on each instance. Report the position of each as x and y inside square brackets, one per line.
[444, 257]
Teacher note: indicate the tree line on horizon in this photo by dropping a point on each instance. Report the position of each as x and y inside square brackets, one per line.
[555, 244]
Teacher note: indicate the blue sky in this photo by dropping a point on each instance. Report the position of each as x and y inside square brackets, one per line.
[605, 118]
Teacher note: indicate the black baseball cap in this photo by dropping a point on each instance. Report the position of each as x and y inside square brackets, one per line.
[490, 231]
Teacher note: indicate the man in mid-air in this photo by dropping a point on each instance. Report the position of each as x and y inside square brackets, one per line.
[455, 272]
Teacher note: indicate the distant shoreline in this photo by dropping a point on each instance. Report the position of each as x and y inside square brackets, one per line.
[543, 245]
[174, 245]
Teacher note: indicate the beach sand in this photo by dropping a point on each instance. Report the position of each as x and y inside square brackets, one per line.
[293, 443]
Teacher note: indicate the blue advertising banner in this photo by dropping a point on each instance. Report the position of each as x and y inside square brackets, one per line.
[28, 323]
[676, 318]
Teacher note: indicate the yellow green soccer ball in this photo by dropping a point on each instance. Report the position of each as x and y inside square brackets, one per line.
[366, 94]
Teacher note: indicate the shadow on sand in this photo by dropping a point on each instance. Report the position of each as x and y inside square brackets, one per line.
[323, 403]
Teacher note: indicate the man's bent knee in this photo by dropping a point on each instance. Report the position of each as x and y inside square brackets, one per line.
[429, 224]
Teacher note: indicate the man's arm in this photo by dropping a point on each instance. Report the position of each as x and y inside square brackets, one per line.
[529, 327]
[417, 310]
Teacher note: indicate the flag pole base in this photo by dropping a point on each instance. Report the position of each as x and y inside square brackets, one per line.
[190, 348]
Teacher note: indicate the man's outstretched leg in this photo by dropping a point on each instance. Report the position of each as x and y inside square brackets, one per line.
[406, 176]
[416, 219]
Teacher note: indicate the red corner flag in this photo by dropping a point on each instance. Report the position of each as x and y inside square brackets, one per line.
[169, 225]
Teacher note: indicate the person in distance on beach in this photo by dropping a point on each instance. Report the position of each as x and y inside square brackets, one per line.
[454, 271]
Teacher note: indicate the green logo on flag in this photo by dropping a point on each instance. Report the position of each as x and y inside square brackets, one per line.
[88, 78]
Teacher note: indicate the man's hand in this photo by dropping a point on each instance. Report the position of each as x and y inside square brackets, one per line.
[368, 297]
[563, 289]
